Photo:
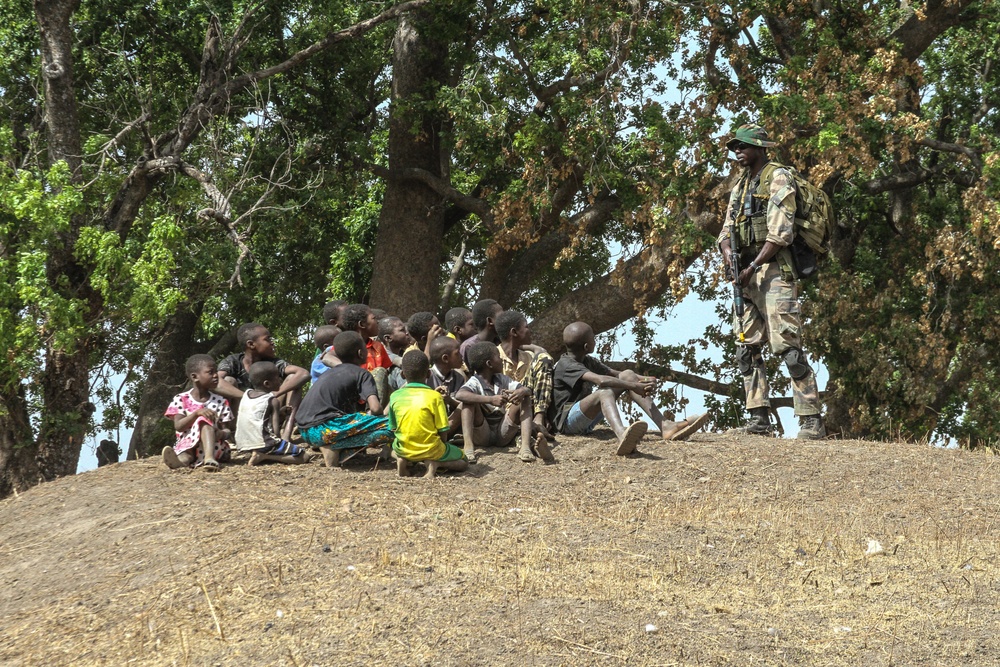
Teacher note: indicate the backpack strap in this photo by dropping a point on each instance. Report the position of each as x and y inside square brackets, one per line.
[784, 255]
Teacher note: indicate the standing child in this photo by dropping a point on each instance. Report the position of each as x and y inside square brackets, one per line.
[258, 424]
[446, 377]
[199, 416]
[492, 406]
[331, 416]
[417, 416]
[577, 408]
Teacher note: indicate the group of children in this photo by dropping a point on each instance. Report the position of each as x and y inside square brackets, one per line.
[413, 389]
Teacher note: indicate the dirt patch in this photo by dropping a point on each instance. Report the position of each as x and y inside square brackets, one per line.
[720, 550]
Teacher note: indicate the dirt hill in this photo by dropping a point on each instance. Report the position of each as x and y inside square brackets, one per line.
[722, 550]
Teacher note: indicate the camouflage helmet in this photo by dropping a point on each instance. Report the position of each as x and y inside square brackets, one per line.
[751, 134]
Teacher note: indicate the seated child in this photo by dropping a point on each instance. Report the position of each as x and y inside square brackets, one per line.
[577, 408]
[446, 377]
[331, 416]
[258, 423]
[417, 417]
[199, 416]
[325, 358]
[361, 319]
[392, 334]
[528, 364]
[332, 312]
[484, 315]
[423, 327]
[492, 406]
[459, 325]
[234, 372]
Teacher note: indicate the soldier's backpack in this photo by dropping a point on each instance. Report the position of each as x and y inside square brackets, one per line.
[814, 220]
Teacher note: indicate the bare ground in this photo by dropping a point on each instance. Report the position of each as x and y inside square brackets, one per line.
[718, 551]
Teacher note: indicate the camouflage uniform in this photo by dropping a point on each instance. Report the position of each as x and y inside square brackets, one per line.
[772, 296]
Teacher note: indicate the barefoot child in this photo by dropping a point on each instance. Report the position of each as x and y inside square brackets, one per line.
[577, 408]
[446, 377]
[258, 424]
[528, 364]
[256, 345]
[331, 416]
[418, 417]
[199, 416]
[493, 405]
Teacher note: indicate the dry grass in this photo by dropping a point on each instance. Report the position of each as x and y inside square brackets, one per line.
[739, 551]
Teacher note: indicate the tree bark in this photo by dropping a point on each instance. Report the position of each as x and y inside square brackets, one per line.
[18, 470]
[411, 222]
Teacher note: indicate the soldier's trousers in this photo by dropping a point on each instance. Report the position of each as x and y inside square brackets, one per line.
[772, 317]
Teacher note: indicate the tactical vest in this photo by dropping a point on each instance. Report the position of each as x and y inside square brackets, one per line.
[750, 224]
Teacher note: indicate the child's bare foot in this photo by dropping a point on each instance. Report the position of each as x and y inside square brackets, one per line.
[385, 452]
[170, 458]
[256, 459]
[631, 437]
[432, 467]
[542, 448]
[402, 467]
[308, 455]
[331, 457]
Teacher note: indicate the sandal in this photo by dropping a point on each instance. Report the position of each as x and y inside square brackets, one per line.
[209, 466]
[631, 437]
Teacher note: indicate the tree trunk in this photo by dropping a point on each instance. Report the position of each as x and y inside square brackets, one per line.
[18, 470]
[65, 382]
[164, 380]
[408, 251]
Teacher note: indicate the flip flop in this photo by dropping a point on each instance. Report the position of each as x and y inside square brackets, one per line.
[209, 466]
[691, 426]
[631, 437]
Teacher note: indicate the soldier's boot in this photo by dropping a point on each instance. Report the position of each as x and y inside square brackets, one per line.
[758, 424]
[811, 427]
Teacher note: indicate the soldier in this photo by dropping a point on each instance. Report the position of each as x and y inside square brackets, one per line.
[760, 220]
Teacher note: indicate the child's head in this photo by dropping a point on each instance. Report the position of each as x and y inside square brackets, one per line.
[512, 325]
[323, 338]
[202, 371]
[333, 311]
[445, 354]
[579, 338]
[350, 348]
[458, 321]
[379, 314]
[420, 324]
[359, 318]
[264, 376]
[484, 313]
[392, 333]
[254, 338]
[484, 358]
[415, 366]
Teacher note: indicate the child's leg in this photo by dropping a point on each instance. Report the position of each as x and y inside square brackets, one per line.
[645, 403]
[539, 381]
[292, 401]
[472, 417]
[525, 415]
[172, 460]
[331, 456]
[208, 440]
[454, 423]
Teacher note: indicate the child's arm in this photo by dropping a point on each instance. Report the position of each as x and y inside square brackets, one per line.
[294, 378]
[434, 332]
[184, 422]
[329, 358]
[644, 387]
[472, 398]
[374, 407]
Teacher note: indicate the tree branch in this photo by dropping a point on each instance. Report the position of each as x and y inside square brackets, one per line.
[442, 187]
[920, 30]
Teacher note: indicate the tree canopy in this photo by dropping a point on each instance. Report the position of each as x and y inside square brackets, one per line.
[173, 169]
